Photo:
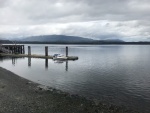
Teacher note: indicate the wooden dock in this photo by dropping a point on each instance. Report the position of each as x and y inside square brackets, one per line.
[19, 51]
[13, 49]
[36, 56]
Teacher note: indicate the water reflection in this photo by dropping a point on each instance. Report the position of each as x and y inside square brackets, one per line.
[14, 61]
[29, 61]
[67, 65]
[114, 74]
[61, 62]
[46, 63]
[58, 61]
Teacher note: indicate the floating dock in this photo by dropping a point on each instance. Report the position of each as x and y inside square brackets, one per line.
[36, 56]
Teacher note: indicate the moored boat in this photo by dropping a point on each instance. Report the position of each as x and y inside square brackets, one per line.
[59, 57]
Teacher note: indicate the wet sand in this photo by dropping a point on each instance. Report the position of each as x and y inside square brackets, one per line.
[18, 95]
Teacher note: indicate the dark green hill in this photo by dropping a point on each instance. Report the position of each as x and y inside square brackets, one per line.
[57, 38]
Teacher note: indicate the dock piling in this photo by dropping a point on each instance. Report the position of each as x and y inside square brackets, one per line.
[46, 50]
[23, 50]
[29, 50]
[66, 51]
[13, 49]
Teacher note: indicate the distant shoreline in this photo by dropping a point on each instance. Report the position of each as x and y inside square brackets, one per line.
[98, 43]
[64, 39]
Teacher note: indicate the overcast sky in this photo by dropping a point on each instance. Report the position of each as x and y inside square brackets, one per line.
[128, 20]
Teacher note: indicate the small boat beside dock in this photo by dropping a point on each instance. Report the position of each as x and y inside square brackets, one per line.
[59, 57]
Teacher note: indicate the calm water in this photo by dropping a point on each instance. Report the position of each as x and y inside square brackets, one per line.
[118, 74]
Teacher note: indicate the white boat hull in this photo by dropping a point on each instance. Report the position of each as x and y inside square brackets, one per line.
[59, 58]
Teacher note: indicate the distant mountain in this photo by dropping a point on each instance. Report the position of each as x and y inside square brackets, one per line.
[4, 41]
[57, 38]
[60, 39]
[112, 40]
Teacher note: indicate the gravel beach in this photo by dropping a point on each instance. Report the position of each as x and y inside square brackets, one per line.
[18, 95]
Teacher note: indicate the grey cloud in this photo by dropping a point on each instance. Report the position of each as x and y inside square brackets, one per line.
[89, 18]
[3, 3]
[45, 11]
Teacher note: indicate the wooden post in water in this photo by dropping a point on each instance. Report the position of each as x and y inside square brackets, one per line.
[13, 50]
[29, 50]
[9, 48]
[46, 50]
[23, 50]
[66, 51]
[17, 49]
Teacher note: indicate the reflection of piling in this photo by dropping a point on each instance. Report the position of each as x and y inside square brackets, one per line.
[29, 50]
[66, 51]
[66, 65]
[46, 50]
[46, 63]
[29, 61]
[13, 61]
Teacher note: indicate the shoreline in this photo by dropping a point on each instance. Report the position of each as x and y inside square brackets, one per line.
[19, 95]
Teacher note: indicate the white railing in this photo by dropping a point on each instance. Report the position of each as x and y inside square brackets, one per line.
[4, 50]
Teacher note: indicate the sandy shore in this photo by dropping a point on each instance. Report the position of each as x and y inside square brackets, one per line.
[18, 95]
